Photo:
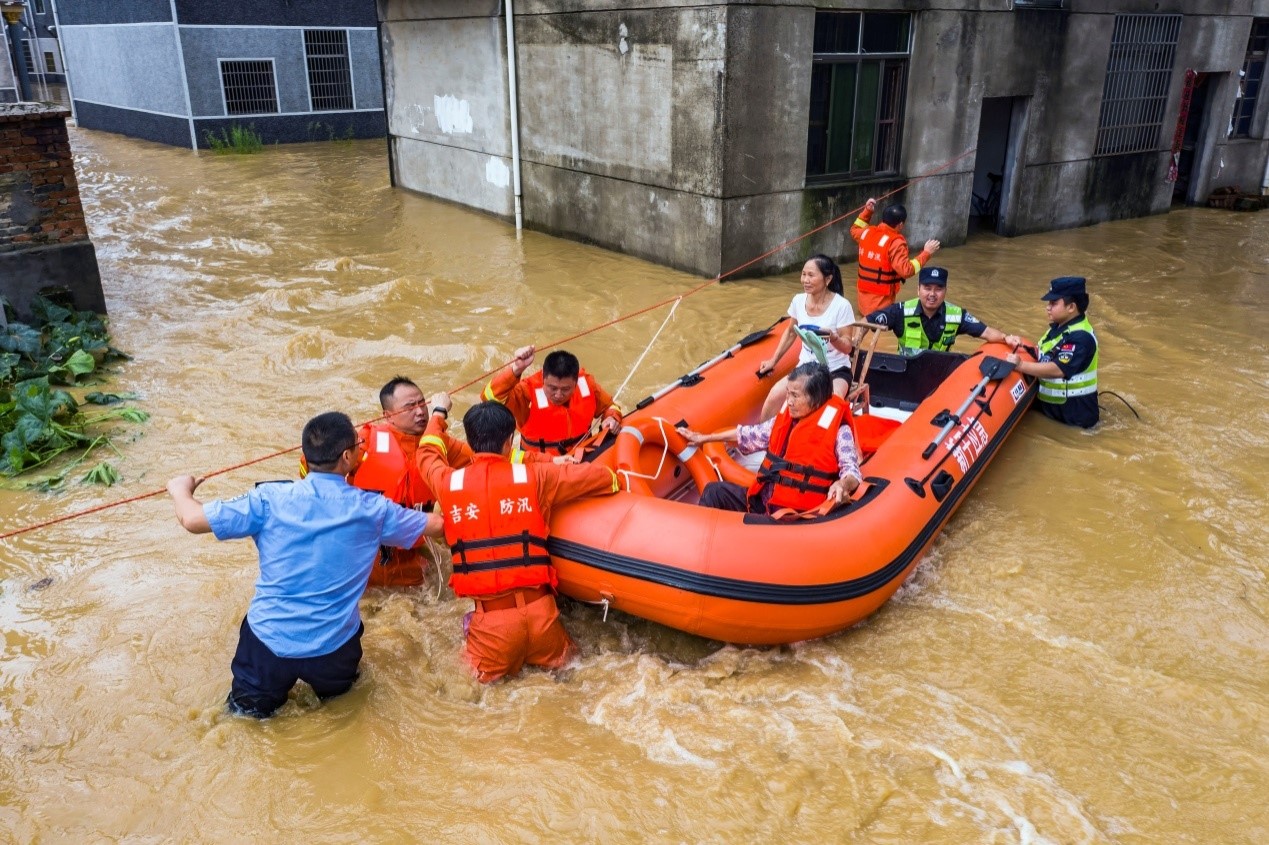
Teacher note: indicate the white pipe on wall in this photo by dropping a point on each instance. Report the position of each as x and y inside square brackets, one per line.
[513, 98]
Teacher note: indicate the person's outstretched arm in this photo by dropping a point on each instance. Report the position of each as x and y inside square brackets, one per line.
[189, 511]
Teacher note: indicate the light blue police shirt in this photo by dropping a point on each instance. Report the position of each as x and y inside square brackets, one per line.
[317, 540]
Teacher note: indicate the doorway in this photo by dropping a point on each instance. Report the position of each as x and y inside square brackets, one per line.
[1189, 159]
[1001, 128]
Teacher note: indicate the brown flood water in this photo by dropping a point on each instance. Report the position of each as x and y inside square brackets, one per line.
[1081, 659]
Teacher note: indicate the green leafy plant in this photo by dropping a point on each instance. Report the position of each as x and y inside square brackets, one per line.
[39, 421]
[236, 140]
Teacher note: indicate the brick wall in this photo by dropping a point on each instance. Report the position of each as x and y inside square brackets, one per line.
[39, 196]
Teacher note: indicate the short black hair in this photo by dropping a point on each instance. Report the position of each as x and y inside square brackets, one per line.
[561, 364]
[488, 425]
[390, 389]
[894, 215]
[325, 438]
[816, 381]
[1081, 302]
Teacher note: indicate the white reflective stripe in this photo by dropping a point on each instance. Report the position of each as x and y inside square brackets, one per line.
[456, 480]
[1067, 391]
[631, 430]
[826, 418]
[519, 474]
[883, 240]
[540, 395]
[686, 454]
[953, 319]
[382, 441]
[583, 387]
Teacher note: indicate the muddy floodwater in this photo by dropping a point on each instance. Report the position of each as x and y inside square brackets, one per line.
[1082, 658]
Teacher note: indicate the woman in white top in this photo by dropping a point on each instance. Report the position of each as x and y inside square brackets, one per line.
[822, 313]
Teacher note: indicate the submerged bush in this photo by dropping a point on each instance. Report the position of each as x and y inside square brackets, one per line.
[40, 421]
[240, 140]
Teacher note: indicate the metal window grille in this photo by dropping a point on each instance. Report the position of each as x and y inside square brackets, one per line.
[329, 73]
[1250, 79]
[28, 57]
[1138, 76]
[50, 63]
[858, 79]
[248, 85]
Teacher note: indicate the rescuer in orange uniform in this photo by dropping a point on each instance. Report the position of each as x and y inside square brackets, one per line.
[497, 514]
[389, 467]
[554, 407]
[883, 256]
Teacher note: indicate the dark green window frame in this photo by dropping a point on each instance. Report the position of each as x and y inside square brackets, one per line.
[1253, 76]
[859, 73]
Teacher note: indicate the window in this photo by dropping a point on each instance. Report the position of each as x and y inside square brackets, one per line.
[1138, 75]
[27, 56]
[858, 78]
[1249, 79]
[248, 86]
[39, 7]
[50, 63]
[329, 76]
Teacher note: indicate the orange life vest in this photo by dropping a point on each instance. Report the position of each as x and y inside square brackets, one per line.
[801, 462]
[557, 428]
[876, 273]
[494, 528]
[386, 469]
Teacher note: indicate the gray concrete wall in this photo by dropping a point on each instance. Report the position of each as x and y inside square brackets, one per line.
[134, 66]
[447, 101]
[206, 47]
[676, 131]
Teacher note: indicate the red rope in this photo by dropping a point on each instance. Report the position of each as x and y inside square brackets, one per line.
[559, 342]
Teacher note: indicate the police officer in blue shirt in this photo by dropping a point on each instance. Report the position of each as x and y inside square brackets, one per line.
[929, 321]
[317, 539]
[1067, 356]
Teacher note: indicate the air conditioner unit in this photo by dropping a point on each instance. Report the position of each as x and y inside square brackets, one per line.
[1037, 4]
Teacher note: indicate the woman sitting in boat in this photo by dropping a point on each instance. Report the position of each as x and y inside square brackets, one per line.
[810, 457]
[820, 313]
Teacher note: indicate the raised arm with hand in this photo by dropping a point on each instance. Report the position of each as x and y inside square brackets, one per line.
[189, 510]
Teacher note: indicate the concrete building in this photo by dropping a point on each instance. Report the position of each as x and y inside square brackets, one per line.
[37, 50]
[176, 71]
[698, 134]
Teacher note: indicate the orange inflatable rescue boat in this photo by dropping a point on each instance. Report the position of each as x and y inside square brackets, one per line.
[928, 427]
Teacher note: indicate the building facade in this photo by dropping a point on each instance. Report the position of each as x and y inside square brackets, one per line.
[181, 71]
[698, 134]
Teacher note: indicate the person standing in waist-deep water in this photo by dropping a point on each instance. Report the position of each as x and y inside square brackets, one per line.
[883, 261]
[497, 515]
[1067, 365]
[317, 539]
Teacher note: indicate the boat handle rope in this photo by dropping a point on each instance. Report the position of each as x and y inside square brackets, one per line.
[552, 345]
[665, 450]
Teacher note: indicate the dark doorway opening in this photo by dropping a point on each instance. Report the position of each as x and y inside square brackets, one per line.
[1191, 154]
[1001, 127]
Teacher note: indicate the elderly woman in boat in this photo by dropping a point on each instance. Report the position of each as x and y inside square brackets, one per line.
[811, 456]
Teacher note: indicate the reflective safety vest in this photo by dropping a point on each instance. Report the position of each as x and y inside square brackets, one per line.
[386, 469]
[494, 528]
[1055, 391]
[557, 428]
[914, 337]
[801, 461]
[876, 273]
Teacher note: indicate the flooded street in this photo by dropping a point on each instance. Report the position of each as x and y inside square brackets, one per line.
[1083, 657]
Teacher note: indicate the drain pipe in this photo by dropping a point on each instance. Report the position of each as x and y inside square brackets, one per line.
[514, 102]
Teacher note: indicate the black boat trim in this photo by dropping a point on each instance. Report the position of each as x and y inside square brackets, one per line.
[788, 594]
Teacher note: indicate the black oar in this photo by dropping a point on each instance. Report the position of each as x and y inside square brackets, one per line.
[993, 369]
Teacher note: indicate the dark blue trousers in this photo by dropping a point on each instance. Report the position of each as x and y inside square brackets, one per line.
[262, 679]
